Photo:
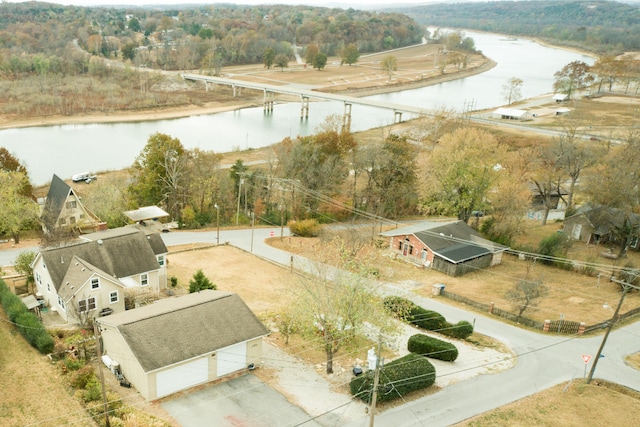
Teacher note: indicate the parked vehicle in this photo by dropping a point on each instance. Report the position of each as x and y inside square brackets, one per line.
[84, 176]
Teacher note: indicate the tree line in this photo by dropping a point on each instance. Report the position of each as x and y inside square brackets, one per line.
[598, 26]
[190, 37]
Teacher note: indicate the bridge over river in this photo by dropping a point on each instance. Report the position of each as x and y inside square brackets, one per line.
[270, 90]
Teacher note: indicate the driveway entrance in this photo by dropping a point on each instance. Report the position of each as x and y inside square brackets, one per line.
[244, 401]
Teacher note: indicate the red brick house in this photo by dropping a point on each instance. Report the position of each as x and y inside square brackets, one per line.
[451, 247]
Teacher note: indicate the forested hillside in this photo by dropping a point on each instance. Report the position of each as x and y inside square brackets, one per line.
[600, 26]
[192, 37]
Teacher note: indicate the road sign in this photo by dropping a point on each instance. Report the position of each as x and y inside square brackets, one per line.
[586, 358]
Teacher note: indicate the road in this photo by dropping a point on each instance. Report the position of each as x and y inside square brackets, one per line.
[542, 360]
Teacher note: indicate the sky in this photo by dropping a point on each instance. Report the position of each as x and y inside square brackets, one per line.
[327, 3]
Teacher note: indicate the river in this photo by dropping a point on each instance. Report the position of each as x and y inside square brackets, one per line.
[69, 149]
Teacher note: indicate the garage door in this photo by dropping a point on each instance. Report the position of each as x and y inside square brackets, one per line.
[231, 359]
[182, 377]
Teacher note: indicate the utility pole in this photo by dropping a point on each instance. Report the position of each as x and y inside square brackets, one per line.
[252, 221]
[96, 333]
[614, 319]
[241, 174]
[374, 393]
[217, 224]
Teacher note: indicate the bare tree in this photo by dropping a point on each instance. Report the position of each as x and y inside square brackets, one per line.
[336, 303]
[526, 294]
[512, 90]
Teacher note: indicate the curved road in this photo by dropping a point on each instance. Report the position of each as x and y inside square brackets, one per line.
[542, 360]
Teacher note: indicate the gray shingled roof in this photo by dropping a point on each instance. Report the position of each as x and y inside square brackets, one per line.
[56, 197]
[154, 239]
[119, 256]
[172, 330]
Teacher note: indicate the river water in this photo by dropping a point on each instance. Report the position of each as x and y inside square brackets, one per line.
[69, 149]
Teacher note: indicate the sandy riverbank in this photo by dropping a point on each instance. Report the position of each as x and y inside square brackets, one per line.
[7, 122]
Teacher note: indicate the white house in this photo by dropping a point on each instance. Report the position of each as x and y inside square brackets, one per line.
[181, 342]
[89, 279]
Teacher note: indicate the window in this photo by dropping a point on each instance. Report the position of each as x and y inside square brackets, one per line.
[38, 278]
[61, 303]
[634, 242]
[113, 297]
[82, 216]
[87, 304]
[400, 245]
[72, 220]
[144, 279]
[48, 287]
[161, 260]
[95, 283]
[62, 221]
[72, 204]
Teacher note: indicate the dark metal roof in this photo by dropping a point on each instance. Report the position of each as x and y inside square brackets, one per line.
[172, 330]
[457, 242]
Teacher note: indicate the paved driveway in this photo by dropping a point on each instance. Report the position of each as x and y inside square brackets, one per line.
[244, 401]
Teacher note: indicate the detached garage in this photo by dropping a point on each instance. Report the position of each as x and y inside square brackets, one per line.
[178, 343]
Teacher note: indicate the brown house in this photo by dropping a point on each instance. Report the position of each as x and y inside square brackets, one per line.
[597, 225]
[452, 247]
[63, 209]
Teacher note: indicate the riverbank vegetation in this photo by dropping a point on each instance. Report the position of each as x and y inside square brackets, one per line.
[598, 26]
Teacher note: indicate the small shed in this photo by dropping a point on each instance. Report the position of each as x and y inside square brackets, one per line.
[512, 114]
[560, 97]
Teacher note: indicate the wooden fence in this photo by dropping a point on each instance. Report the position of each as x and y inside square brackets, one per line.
[561, 326]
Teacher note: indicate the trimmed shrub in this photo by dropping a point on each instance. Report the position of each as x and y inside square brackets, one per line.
[305, 228]
[460, 330]
[397, 379]
[432, 347]
[408, 311]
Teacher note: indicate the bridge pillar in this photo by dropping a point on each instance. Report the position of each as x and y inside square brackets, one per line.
[268, 100]
[304, 109]
[397, 118]
[346, 118]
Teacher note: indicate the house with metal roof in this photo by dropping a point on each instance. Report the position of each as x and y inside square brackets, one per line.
[63, 208]
[90, 278]
[451, 247]
[511, 114]
[181, 342]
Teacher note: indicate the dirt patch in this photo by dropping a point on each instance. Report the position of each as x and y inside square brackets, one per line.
[261, 284]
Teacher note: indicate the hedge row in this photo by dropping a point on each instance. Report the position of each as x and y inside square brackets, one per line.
[28, 324]
[397, 379]
[408, 311]
[432, 347]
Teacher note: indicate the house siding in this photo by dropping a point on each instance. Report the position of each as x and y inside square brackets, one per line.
[410, 247]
